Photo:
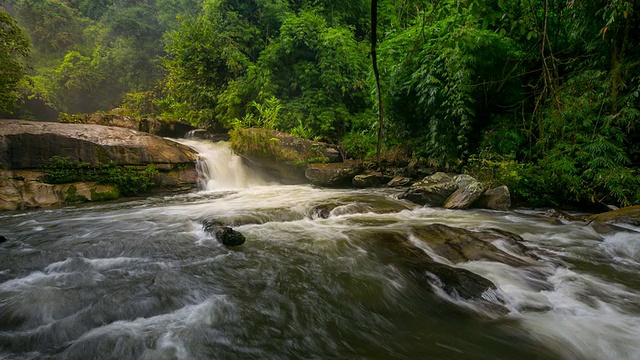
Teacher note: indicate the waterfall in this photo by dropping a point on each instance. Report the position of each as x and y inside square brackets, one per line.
[220, 169]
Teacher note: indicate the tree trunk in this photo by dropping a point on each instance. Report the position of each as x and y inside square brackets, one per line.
[374, 40]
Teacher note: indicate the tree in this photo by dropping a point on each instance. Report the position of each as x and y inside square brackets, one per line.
[14, 47]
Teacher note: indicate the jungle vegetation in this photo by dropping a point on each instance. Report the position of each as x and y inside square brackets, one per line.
[542, 95]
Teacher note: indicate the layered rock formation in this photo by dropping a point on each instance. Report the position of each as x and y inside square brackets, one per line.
[26, 148]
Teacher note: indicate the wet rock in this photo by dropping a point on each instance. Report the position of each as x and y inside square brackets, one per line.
[335, 174]
[461, 245]
[368, 180]
[433, 190]
[497, 198]
[627, 215]
[465, 196]
[224, 234]
[399, 181]
[322, 211]
[3, 239]
[456, 282]
[562, 215]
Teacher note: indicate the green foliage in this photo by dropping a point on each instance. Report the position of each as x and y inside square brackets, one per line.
[144, 103]
[444, 90]
[274, 145]
[129, 181]
[14, 46]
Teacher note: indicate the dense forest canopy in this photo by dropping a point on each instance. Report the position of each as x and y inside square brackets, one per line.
[540, 94]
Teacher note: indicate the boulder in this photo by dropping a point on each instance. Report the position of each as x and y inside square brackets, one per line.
[433, 190]
[334, 174]
[497, 198]
[281, 156]
[456, 282]
[627, 215]
[465, 196]
[399, 181]
[224, 234]
[461, 245]
[26, 148]
[463, 180]
[164, 128]
[30, 145]
[372, 179]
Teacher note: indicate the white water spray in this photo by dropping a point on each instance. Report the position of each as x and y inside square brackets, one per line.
[220, 169]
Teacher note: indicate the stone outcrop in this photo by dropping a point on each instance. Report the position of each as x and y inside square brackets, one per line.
[433, 190]
[371, 179]
[627, 215]
[26, 148]
[399, 181]
[468, 192]
[460, 245]
[30, 145]
[497, 198]
[334, 174]
[279, 155]
[164, 128]
[456, 282]
[19, 192]
[457, 192]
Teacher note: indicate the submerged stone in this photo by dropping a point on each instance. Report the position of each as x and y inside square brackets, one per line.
[224, 234]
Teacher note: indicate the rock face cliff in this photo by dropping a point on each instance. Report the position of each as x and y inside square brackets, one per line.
[26, 147]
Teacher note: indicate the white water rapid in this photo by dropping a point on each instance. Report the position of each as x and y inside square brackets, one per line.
[323, 274]
[220, 169]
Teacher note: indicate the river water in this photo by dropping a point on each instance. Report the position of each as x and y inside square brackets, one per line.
[142, 280]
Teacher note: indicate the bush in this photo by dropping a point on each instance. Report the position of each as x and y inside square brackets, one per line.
[62, 170]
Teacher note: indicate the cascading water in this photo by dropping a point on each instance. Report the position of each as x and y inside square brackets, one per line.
[220, 169]
[317, 278]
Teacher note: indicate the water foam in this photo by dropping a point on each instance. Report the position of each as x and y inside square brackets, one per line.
[220, 169]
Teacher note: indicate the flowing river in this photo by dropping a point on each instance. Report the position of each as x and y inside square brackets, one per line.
[143, 280]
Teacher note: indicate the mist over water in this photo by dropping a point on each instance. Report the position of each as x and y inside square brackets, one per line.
[142, 280]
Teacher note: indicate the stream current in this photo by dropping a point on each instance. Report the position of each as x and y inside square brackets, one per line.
[142, 280]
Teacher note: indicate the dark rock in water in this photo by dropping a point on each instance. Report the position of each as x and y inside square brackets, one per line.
[627, 215]
[229, 237]
[465, 196]
[334, 174]
[461, 245]
[456, 282]
[3, 239]
[562, 215]
[322, 211]
[495, 199]
[431, 191]
[226, 235]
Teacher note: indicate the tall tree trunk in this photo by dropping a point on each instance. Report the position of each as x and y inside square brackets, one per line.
[374, 40]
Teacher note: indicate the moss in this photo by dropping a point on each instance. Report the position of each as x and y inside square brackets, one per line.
[72, 197]
[276, 146]
[105, 195]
